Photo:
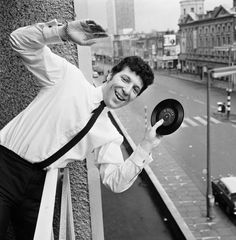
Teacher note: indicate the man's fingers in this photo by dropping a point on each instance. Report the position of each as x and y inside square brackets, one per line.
[100, 35]
[158, 124]
[91, 26]
[88, 42]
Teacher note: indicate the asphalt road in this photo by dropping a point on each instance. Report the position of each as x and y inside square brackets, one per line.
[188, 144]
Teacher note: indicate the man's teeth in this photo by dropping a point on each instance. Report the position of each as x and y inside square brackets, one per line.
[119, 97]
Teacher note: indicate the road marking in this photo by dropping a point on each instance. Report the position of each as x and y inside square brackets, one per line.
[198, 101]
[191, 122]
[184, 125]
[201, 120]
[213, 120]
[171, 91]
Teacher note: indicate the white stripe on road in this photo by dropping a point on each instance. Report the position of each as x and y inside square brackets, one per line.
[171, 91]
[197, 121]
[191, 122]
[198, 101]
[213, 120]
[183, 125]
[201, 120]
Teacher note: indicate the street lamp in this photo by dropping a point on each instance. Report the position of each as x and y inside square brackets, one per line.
[215, 73]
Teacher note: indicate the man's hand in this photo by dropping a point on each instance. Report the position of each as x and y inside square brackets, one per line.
[151, 139]
[82, 32]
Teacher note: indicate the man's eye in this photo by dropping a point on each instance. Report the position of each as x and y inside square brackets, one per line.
[124, 79]
[136, 90]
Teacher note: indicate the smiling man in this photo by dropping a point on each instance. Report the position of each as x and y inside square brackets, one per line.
[61, 109]
[124, 84]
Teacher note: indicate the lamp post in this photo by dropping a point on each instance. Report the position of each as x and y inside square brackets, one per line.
[215, 72]
[209, 196]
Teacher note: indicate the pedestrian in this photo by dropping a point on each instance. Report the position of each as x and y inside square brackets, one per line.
[61, 109]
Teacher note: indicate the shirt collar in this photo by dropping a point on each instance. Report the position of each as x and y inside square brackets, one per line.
[97, 96]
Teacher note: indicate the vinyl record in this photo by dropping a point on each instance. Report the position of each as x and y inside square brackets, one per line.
[172, 112]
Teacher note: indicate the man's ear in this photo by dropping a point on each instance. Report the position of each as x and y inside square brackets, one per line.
[109, 77]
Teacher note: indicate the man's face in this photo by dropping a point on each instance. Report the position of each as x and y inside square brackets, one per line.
[122, 88]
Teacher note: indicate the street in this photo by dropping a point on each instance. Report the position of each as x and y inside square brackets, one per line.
[188, 144]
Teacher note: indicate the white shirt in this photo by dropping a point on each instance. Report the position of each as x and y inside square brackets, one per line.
[61, 109]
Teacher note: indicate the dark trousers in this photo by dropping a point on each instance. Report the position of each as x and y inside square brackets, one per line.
[21, 186]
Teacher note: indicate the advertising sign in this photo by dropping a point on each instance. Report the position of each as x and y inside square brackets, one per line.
[169, 40]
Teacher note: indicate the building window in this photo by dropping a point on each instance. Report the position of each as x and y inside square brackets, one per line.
[218, 41]
[184, 11]
[192, 9]
[223, 40]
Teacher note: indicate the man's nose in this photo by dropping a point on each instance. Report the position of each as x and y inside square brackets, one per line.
[127, 89]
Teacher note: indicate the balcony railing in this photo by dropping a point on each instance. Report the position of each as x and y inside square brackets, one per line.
[44, 228]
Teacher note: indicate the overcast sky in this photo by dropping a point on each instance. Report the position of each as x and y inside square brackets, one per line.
[150, 15]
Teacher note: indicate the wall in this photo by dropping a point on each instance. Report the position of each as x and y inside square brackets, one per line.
[18, 87]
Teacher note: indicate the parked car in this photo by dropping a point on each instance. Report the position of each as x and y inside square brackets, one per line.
[98, 69]
[95, 74]
[224, 190]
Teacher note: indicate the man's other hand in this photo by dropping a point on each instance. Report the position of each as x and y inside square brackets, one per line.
[151, 139]
[82, 32]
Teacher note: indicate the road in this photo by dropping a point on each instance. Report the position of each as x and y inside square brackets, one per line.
[188, 144]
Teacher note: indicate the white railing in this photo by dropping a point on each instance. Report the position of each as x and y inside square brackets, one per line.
[44, 227]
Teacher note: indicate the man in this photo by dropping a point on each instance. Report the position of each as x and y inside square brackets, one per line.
[61, 109]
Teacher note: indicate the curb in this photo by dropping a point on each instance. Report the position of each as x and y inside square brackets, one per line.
[169, 204]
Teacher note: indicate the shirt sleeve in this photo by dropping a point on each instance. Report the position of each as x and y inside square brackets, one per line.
[31, 42]
[119, 174]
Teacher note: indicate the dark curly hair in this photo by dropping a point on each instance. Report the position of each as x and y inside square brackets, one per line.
[137, 65]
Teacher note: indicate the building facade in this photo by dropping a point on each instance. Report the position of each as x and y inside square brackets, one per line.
[207, 40]
[120, 16]
[188, 6]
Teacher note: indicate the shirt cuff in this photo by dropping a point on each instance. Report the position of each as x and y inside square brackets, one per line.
[140, 157]
[50, 32]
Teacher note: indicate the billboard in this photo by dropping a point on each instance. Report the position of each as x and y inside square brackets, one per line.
[169, 40]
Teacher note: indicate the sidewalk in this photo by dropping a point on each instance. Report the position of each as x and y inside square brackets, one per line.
[194, 78]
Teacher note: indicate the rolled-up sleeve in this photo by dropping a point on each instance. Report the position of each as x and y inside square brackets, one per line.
[31, 42]
[116, 173]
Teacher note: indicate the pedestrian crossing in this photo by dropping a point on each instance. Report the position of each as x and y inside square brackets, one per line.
[196, 121]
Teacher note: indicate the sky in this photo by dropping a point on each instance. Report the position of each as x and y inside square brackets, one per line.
[160, 15]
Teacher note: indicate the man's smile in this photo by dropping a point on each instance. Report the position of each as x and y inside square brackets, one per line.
[119, 96]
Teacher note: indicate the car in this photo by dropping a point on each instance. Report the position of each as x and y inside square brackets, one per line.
[98, 69]
[95, 74]
[224, 191]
